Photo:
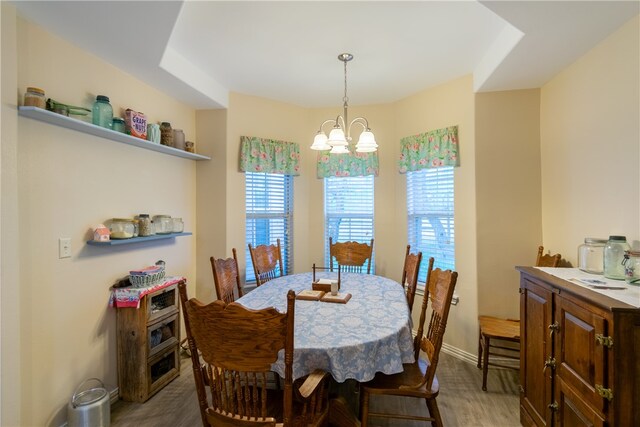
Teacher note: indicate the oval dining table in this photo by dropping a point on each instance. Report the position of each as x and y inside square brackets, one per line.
[370, 333]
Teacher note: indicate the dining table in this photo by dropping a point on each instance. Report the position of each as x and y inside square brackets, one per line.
[369, 333]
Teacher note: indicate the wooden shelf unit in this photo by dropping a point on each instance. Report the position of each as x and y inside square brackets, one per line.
[91, 129]
[148, 344]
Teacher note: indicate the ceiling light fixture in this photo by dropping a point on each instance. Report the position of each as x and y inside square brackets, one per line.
[340, 135]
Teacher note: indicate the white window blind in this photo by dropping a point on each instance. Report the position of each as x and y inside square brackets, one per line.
[430, 217]
[348, 211]
[269, 210]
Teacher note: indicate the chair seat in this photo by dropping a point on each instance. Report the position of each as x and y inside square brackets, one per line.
[398, 384]
[494, 327]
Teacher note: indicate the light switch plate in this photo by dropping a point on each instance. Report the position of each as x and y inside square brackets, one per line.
[64, 247]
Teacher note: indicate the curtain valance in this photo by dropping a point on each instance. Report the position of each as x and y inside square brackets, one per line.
[432, 149]
[269, 156]
[345, 165]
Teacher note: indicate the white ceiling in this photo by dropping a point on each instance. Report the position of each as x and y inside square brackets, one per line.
[198, 51]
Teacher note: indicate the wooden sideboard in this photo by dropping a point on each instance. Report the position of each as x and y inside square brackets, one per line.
[580, 355]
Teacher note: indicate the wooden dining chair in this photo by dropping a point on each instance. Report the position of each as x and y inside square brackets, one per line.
[226, 277]
[267, 262]
[418, 379]
[410, 274]
[238, 346]
[503, 331]
[351, 256]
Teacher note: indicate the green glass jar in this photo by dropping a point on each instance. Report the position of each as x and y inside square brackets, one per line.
[118, 124]
[102, 112]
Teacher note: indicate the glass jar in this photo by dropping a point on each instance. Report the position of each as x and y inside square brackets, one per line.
[178, 139]
[121, 228]
[136, 227]
[102, 113]
[34, 97]
[118, 124]
[162, 224]
[632, 267]
[178, 225]
[591, 255]
[166, 134]
[614, 256]
[145, 226]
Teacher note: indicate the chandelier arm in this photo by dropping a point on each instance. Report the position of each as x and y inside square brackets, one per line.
[324, 123]
[360, 120]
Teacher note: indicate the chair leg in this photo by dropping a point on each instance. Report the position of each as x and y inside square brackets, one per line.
[434, 412]
[479, 348]
[364, 407]
[485, 365]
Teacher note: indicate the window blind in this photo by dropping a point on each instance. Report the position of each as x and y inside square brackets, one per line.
[348, 211]
[430, 217]
[269, 215]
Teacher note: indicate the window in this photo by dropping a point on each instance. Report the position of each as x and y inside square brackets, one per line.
[430, 217]
[269, 207]
[348, 211]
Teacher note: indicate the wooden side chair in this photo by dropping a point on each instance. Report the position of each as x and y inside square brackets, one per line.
[226, 277]
[238, 346]
[418, 380]
[267, 262]
[410, 274]
[351, 256]
[495, 328]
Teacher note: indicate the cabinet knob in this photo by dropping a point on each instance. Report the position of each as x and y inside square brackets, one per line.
[554, 327]
[549, 363]
[553, 406]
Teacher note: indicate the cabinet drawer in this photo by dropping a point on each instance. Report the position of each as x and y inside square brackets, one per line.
[163, 368]
[162, 303]
[163, 334]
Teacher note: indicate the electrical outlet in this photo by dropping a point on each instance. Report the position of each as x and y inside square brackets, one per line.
[455, 299]
[64, 247]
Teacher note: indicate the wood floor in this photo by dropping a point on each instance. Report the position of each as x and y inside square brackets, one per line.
[461, 401]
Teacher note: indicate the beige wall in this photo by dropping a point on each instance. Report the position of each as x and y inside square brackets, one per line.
[10, 291]
[590, 145]
[66, 183]
[508, 195]
[449, 104]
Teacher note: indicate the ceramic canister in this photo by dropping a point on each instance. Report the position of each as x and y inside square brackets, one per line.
[153, 132]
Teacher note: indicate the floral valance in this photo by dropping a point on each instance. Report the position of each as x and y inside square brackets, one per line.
[269, 156]
[432, 149]
[344, 165]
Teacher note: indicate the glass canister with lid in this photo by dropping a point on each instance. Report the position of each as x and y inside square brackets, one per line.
[102, 112]
[178, 225]
[591, 254]
[121, 228]
[632, 267]
[34, 97]
[162, 224]
[614, 256]
[145, 226]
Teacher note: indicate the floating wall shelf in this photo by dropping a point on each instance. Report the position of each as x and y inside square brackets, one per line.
[137, 239]
[91, 129]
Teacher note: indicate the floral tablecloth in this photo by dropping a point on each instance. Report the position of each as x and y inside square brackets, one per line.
[130, 296]
[370, 333]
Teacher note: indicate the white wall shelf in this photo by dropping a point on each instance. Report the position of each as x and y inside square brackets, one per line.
[91, 129]
[118, 242]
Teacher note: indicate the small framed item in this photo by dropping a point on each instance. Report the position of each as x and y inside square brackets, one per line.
[326, 285]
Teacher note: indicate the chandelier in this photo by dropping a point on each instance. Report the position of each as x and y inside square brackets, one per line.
[340, 135]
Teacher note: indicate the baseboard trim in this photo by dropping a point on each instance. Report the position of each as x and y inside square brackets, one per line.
[459, 354]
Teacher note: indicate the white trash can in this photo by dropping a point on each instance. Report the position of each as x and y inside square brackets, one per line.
[89, 407]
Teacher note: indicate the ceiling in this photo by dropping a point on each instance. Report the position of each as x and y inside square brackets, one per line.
[199, 51]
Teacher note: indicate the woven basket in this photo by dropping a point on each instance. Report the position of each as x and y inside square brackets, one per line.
[140, 281]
